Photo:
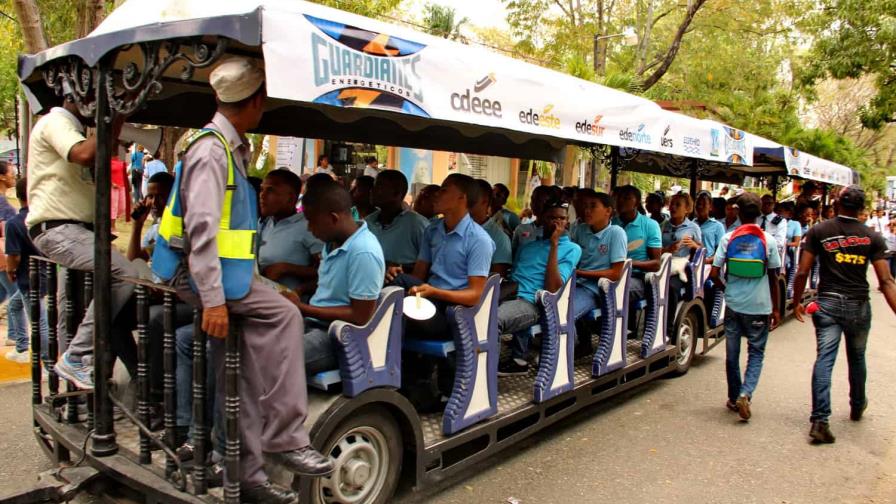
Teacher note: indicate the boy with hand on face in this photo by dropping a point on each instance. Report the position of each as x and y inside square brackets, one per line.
[350, 274]
[545, 263]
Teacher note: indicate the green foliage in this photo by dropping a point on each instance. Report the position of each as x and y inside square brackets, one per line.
[442, 22]
[369, 8]
[856, 38]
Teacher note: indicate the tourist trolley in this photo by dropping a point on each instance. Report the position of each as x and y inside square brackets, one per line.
[343, 77]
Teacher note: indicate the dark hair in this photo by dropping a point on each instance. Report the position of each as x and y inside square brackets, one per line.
[365, 181]
[162, 178]
[369, 159]
[4, 167]
[502, 189]
[321, 158]
[318, 180]
[327, 198]
[718, 205]
[748, 205]
[629, 189]
[287, 177]
[467, 185]
[396, 179]
[485, 190]
[852, 198]
[22, 190]
[255, 182]
[656, 196]
[553, 203]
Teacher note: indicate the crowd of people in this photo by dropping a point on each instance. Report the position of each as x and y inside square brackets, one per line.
[291, 256]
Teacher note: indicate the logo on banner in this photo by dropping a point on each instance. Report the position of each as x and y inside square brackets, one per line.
[469, 101]
[692, 145]
[715, 142]
[639, 135]
[591, 128]
[666, 140]
[545, 119]
[369, 69]
[735, 145]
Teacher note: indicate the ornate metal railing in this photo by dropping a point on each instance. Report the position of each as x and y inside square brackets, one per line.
[44, 278]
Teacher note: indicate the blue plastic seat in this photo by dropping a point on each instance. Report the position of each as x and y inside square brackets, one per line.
[610, 352]
[555, 367]
[370, 355]
[433, 348]
[656, 334]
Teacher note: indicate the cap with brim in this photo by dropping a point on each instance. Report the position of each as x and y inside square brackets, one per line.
[236, 79]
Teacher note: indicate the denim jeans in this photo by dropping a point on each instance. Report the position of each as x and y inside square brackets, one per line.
[320, 352]
[183, 347]
[17, 319]
[516, 317]
[755, 329]
[836, 316]
[584, 301]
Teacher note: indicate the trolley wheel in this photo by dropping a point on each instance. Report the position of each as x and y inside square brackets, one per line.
[685, 342]
[367, 449]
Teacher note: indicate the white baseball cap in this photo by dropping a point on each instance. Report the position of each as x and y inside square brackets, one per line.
[236, 79]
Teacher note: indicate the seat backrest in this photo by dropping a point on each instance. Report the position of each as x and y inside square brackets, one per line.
[555, 368]
[474, 396]
[696, 273]
[370, 355]
[611, 348]
[657, 289]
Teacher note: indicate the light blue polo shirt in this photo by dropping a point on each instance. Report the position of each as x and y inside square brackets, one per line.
[532, 264]
[523, 234]
[287, 241]
[401, 238]
[794, 230]
[748, 296]
[673, 233]
[599, 250]
[454, 256]
[355, 270]
[642, 233]
[734, 225]
[503, 253]
[511, 220]
[712, 231]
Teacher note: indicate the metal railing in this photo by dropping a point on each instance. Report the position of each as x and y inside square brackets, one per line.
[44, 279]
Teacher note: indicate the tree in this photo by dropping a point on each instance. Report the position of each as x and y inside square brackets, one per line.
[442, 22]
[28, 13]
[857, 38]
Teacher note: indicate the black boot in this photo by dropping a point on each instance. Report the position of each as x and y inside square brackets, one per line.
[305, 461]
[821, 433]
[855, 413]
[267, 493]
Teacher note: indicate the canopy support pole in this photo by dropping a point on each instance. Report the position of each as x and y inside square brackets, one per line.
[593, 168]
[694, 182]
[775, 187]
[614, 167]
[104, 442]
[824, 195]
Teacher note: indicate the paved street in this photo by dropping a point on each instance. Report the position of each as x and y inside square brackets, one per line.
[670, 441]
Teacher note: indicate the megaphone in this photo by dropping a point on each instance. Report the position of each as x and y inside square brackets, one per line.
[150, 138]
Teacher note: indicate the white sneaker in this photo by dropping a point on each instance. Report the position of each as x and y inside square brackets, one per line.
[19, 357]
[10, 342]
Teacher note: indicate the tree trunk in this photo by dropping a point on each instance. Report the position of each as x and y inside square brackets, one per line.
[90, 15]
[674, 47]
[645, 38]
[33, 36]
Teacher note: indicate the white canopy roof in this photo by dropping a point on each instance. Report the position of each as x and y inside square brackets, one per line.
[800, 164]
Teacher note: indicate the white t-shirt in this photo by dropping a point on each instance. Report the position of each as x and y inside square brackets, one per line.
[371, 171]
[58, 189]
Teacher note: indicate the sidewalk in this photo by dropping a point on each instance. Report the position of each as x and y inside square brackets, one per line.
[10, 372]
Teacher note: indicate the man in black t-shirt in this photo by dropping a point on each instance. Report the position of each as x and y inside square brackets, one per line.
[844, 248]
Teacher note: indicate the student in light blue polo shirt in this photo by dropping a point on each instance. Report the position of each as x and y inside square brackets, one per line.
[509, 220]
[399, 229]
[454, 260]
[711, 229]
[732, 220]
[751, 312]
[350, 275]
[603, 249]
[643, 233]
[525, 233]
[541, 264]
[503, 257]
[681, 235]
[287, 252]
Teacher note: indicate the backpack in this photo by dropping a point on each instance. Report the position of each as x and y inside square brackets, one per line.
[747, 255]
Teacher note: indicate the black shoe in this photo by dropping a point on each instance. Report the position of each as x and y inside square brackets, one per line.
[305, 462]
[731, 405]
[214, 476]
[743, 407]
[185, 452]
[821, 433]
[511, 367]
[180, 437]
[268, 494]
[855, 414]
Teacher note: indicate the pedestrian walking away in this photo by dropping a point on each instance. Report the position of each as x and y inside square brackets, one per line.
[751, 260]
[216, 271]
[844, 247]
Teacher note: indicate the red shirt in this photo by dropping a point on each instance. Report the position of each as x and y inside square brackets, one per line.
[119, 172]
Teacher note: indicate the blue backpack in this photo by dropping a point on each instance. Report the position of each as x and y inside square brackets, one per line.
[747, 255]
